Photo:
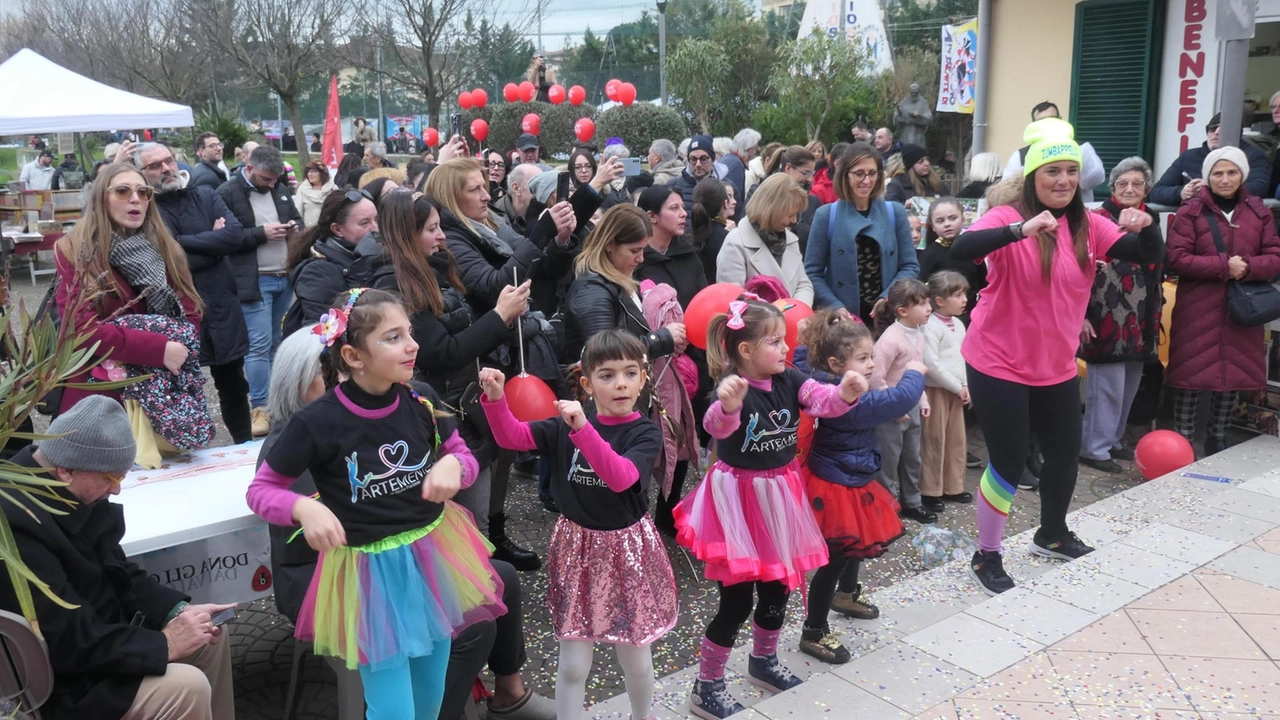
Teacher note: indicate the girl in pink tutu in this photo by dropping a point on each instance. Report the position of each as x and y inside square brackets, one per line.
[402, 569]
[608, 578]
[749, 519]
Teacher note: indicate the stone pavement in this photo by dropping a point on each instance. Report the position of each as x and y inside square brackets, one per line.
[1175, 615]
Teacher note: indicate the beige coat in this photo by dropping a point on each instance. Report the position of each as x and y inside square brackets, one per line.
[744, 256]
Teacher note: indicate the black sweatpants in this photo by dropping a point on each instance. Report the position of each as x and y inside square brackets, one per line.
[1009, 413]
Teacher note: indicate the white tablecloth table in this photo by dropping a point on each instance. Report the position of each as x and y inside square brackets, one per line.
[187, 524]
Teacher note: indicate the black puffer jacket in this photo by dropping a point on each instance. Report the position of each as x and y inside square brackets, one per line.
[596, 303]
[680, 267]
[189, 214]
[334, 266]
[99, 655]
[207, 174]
[244, 265]
[485, 265]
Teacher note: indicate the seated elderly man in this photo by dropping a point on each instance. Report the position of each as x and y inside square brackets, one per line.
[132, 649]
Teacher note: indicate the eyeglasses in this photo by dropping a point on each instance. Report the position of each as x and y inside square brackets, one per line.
[152, 167]
[805, 173]
[213, 146]
[355, 196]
[864, 175]
[581, 167]
[1131, 185]
[126, 192]
[115, 480]
[700, 160]
[495, 164]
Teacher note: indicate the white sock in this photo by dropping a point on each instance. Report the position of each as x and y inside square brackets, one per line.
[571, 678]
[637, 671]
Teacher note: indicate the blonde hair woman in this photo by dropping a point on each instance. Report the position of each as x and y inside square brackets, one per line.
[764, 244]
[605, 294]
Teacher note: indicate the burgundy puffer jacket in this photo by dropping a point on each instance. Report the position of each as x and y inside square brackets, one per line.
[1207, 351]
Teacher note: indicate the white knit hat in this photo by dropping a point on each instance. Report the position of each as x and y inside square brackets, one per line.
[1233, 155]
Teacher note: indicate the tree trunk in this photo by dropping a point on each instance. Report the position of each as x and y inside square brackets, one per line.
[434, 103]
[304, 149]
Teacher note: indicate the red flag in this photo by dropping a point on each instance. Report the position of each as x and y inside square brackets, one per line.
[331, 150]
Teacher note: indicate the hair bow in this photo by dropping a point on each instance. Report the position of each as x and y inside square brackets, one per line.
[751, 296]
[736, 308]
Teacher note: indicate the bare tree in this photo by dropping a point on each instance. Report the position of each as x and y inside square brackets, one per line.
[423, 45]
[280, 44]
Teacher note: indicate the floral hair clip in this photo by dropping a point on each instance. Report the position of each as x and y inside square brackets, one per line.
[331, 326]
[736, 308]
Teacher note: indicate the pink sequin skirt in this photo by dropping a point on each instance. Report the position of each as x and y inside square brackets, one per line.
[749, 525]
[613, 586]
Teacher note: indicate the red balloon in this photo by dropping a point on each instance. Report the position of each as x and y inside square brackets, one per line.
[511, 92]
[530, 399]
[556, 94]
[531, 124]
[577, 95]
[479, 98]
[626, 93]
[585, 129]
[464, 100]
[479, 129]
[431, 137]
[793, 311]
[611, 89]
[527, 91]
[1161, 452]
[710, 300]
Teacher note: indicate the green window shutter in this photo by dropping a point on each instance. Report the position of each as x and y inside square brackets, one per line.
[1115, 74]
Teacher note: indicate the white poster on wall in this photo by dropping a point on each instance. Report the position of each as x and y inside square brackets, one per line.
[863, 22]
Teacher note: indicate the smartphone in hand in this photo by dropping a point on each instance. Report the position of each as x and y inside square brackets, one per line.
[630, 166]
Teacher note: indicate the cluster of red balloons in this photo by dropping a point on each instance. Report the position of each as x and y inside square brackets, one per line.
[618, 91]
[524, 92]
[477, 98]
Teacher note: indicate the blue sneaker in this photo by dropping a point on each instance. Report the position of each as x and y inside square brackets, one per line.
[712, 701]
[768, 673]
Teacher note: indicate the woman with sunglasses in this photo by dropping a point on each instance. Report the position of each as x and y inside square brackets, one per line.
[121, 260]
[331, 256]
[496, 166]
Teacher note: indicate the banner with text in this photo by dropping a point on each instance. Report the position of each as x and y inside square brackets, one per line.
[230, 568]
[959, 60]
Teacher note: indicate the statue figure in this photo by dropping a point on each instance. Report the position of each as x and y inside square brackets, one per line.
[912, 117]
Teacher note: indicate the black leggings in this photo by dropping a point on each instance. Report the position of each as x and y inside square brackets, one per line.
[822, 588]
[1009, 414]
[735, 607]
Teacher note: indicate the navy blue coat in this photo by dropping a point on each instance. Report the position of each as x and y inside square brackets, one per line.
[832, 262]
[1168, 189]
[844, 449]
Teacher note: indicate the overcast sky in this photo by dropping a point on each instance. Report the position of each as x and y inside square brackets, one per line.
[562, 17]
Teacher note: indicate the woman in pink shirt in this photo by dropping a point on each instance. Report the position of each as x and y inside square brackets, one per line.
[1020, 349]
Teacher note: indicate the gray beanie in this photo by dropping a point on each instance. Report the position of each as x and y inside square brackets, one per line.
[543, 184]
[95, 437]
[1233, 155]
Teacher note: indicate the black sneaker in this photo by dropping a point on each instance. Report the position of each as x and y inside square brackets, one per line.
[712, 701]
[1063, 547]
[766, 672]
[963, 498]
[933, 503]
[1029, 481]
[1106, 466]
[972, 461]
[1122, 453]
[988, 569]
[824, 645]
[920, 515]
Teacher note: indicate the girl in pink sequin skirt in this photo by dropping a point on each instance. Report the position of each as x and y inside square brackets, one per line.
[609, 579]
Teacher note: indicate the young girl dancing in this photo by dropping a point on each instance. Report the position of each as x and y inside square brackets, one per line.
[608, 578]
[749, 519]
[401, 568]
[857, 515]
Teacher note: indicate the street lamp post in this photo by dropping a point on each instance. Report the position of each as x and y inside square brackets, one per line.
[662, 51]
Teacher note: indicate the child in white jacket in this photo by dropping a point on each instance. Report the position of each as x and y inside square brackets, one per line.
[944, 444]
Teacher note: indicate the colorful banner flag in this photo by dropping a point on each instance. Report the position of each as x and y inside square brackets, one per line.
[331, 149]
[959, 72]
[863, 22]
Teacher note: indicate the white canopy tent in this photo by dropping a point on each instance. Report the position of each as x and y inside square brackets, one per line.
[45, 97]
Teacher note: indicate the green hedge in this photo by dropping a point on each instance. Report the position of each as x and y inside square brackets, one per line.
[639, 125]
[557, 124]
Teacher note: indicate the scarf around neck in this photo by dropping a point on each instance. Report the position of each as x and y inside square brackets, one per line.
[141, 265]
[776, 242]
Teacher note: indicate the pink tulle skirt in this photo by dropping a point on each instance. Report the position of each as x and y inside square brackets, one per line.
[749, 525]
[613, 586]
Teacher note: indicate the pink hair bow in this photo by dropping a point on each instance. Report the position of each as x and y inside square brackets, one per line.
[736, 308]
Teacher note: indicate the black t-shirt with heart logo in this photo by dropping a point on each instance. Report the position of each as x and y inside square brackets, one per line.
[766, 437]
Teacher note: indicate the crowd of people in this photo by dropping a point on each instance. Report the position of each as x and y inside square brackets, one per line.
[367, 321]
